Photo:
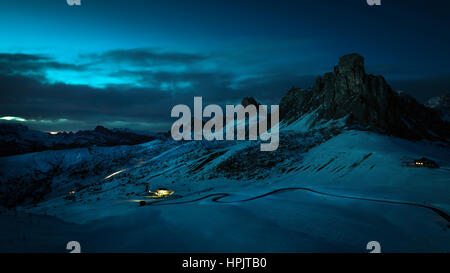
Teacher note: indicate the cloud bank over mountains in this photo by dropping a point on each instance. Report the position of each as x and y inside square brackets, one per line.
[136, 88]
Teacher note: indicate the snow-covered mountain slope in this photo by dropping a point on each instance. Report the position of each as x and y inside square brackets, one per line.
[372, 165]
[318, 193]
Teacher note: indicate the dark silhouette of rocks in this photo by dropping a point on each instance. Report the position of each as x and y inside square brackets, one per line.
[441, 104]
[365, 101]
[249, 101]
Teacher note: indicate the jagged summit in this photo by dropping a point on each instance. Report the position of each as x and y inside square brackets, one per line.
[351, 63]
[441, 104]
[249, 101]
[363, 100]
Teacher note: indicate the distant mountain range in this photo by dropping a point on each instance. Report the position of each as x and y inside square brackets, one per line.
[18, 139]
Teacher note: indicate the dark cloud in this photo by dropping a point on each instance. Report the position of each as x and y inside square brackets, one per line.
[127, 106]
[21, 58]
[195, 78]
[147, 103]
[144, 57]
[27, 97]
[32, 64]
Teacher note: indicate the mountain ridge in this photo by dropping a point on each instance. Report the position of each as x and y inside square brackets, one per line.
[19, 139]
[363, 100]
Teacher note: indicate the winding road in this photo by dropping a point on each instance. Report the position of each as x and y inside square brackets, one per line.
[217, 197]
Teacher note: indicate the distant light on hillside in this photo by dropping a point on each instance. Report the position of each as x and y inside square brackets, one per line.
[115, 173]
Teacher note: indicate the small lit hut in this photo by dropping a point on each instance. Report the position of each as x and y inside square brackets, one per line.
[422, 163]
[161, 193]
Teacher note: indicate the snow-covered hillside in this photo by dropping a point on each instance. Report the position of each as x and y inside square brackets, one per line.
[318, 192]
[356, 162]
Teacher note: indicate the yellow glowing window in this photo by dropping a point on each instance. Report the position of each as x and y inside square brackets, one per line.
[162, 193]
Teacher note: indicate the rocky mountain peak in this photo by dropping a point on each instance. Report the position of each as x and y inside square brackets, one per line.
[350, 63]
[249, 101]
[362, 100]
[101, 129]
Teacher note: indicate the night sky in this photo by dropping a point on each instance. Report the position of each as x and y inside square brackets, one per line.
[125, 64]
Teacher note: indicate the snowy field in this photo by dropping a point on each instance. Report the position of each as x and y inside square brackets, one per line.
[317, 193]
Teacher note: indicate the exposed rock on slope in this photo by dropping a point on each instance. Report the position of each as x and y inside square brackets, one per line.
[363, 100]
[442, 104]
